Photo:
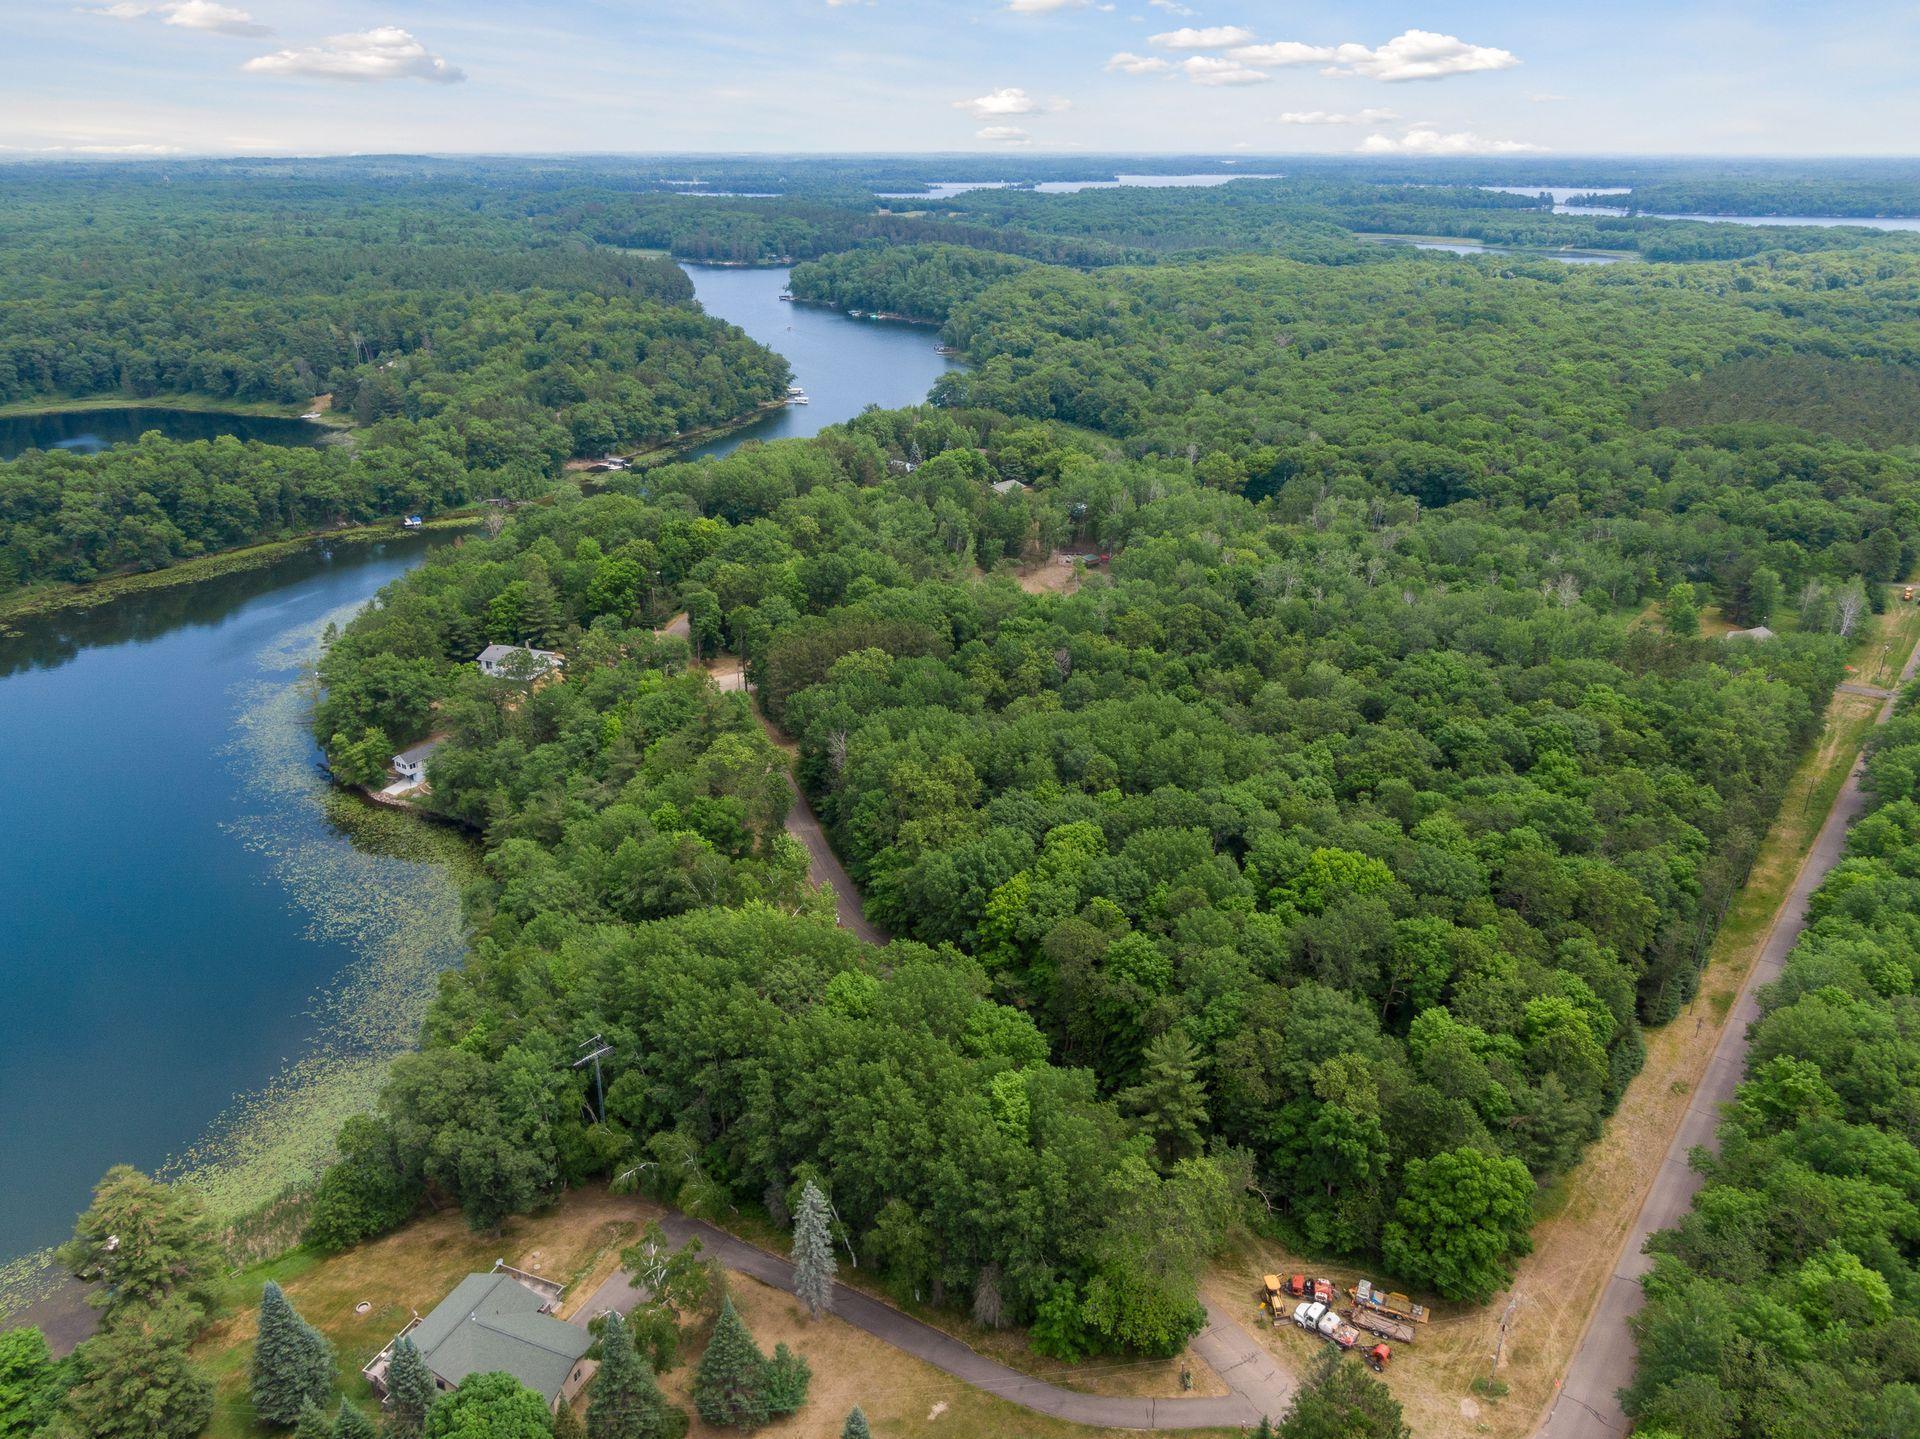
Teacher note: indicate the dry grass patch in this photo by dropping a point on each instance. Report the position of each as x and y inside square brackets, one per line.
[903, 1397]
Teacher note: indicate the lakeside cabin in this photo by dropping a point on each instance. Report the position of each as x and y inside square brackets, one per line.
[411, 763]
[517, 662]
[502, 1320]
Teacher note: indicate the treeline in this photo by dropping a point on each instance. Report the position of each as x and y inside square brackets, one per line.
[472, 368]
[142, 294]
[1340, 859]
[922, 282]
[1856, 196]
[1788, 1300]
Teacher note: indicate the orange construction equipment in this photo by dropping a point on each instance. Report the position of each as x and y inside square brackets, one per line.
[1378, 1358]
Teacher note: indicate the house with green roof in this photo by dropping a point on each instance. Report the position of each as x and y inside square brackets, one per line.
[502, 1321]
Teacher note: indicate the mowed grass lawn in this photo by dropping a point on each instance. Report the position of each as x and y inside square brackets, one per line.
[577, 1242]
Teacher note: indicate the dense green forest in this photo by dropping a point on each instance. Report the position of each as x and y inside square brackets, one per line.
[474, 357]
[1788, 1302]
[1313, 859]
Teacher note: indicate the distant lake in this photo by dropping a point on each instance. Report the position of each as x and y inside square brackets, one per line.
[1561, 194]
[88, 432]
[1474, 247]
[842, 363]
[947, 189]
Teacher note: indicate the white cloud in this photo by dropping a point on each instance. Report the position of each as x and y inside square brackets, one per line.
[1009, 101]
[1004, 135]
[1173, 7]
[385, 53]
[1332, 117]
[1128, 63]
[191, 15]
[140, 149]
[1211, 37]
[1421, 55]
[1414, 55]
[1042, 7]
[1212, 70]
[1284, 52]
[1426, 140]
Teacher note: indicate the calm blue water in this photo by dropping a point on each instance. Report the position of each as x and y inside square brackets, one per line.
[157, 958]
[843, 364]
[153, 966]
[88, 432]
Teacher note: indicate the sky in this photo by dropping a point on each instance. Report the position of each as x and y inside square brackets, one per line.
[162, 77]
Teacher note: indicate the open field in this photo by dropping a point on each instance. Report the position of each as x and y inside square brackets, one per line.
[207, 404]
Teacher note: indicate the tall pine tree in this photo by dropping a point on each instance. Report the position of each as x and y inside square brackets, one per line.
[410, 1388]
[350, 1423]
[625, 1402]
[292, 1362]
[729, 1387]
[856, 1425]
[813, 1261]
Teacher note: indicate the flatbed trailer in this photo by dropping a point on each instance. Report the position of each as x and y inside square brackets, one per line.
[1394, 1306]
[1385, 1325]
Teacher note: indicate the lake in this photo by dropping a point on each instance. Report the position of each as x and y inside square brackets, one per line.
[947, 189]
[843, 364]
[208, 952]
[170, 880]
[88, 432]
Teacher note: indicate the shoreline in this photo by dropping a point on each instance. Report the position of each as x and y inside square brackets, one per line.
[186, 404]
[49, 600]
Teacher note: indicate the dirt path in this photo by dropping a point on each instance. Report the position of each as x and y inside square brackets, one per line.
[1587, 1405]
[1258, 1385]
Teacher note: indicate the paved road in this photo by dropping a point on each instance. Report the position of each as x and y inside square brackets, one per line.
[1588, 1406]
[1257, 1383]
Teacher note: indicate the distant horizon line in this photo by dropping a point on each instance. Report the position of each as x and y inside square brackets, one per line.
[56, 154]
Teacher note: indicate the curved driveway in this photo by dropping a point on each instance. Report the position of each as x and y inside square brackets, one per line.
[1588, 1404]
[1259, 1388]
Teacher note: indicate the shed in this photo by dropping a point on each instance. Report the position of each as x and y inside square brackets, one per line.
[1757, 633]
[1006, 487]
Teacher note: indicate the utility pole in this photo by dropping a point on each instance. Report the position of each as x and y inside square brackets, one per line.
[1500, 1345]
[599, 1047]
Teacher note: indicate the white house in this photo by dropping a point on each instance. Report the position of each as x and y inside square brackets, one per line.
[517, 661]
[411, 764]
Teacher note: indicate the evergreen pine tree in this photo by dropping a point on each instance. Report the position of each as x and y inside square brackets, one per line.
[292, 1362]
[729, 1387]
[410, 1388]
[1170, 1099]
[856, 1425]
[567, 1425]
[813, 1261]
[625, 1402]
[312, 1423]
[350, 1423]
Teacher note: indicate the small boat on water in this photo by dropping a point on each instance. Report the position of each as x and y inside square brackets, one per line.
[796, 395]
[786, 294]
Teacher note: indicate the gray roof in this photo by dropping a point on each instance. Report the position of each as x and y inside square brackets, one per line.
[1005, 487]
[418, 753]
[1758, 632]
[496, 653]
[492, 1321]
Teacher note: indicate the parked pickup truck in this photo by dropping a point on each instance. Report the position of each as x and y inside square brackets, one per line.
[1325, 1320]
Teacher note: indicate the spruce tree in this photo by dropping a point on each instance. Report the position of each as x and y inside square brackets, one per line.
[625, 1402]
[813, 1261]
[856, 1425]
[292, 1361]
[312, 1423]
[566, 1423]
[350, 1423]
[410, 1388]
[729, 1387]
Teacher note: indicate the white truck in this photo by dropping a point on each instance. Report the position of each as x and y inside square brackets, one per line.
[1325, 1320]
